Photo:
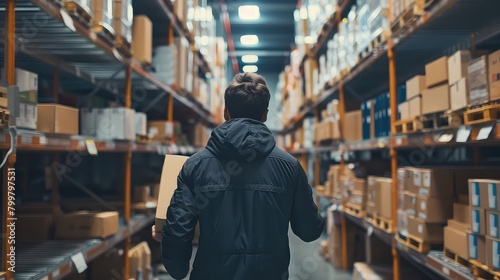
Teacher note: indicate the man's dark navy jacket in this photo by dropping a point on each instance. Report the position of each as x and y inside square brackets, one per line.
[245, 192]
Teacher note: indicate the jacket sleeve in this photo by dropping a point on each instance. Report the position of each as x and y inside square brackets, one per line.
[178, 230]
[305, 220]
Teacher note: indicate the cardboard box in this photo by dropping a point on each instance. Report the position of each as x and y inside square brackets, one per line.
[26, 223]
[434, 209]
[404, 110]
[141, 194]
[384, 197]
[88, 121]
[478, 194]
[141, 124]
[415, 106]
[427, 232]
[410, 204]
[28, 115]
[435, 182]
[161, 131]
[494, 90]
[402, 223]
[457, 66]
[459, 95]
[479, 95]
[478, 72]
[492, 253]
[353, 122]
[85, 224]
[493, 194]
[168, 183]
[27, 83]
[370, 207]
[357, 185]
[401, 179]
[122, 123]
[477, 247]
[461, 213]
[456, 241]
[492, 219]
[109, 265]
[142, 34]
[436, 72]
[401, 201]
[54, 118]
[415, 86]
[357, 198]
[456, 225]
[478, 221]
[436, 99]
[494, 66]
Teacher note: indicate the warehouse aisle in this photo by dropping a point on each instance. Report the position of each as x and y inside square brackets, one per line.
[306, 263]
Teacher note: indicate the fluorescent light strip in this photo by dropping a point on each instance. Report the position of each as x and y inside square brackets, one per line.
[249, 40]
[249, 12]
[250, 68]
[249, 58]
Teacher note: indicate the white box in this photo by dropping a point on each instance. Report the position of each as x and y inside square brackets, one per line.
[122, 123]
[103, 123]
[26, 80]
[28, 114]
[141, 123]
[88, 121]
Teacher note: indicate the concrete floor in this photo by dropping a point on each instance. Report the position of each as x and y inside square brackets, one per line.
[305, 264]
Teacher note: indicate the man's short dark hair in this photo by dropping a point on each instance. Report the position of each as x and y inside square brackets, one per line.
[247, 96]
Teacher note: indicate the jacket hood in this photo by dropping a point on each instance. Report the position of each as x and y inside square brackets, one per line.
[241, 140]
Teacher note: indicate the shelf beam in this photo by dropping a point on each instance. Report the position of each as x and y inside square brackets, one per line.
[128, 173]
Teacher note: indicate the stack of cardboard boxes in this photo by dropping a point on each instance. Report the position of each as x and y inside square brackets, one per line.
[27, 82]
[484, 217]
[458, 80]
[494, 75]
[436, 98]
[427, 203]
[379, 202]
[457, 232]
[353, 130]
[412, 107]
[140, 262]
[329, 127]
[478, 80]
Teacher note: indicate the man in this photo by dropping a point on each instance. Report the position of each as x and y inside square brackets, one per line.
[244, 191]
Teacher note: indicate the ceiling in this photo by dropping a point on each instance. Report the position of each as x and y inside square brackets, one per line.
[275, 30]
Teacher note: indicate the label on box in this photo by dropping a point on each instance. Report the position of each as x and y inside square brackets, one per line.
[79, 262]
[427, 180]
[476, 200]
[417, 179]
[476, 220]
[420, 229]
[423, 192]
[169, 129]
[473, 246]
[496, 254]
[492, 196]
[493, 225]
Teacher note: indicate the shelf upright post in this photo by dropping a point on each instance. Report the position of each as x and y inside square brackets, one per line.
[9, 58]
[128, 170]
[170, 108]
[343, 221]
[393, 152]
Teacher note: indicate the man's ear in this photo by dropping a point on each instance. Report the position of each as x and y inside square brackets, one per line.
[227, 116]
[264, 116]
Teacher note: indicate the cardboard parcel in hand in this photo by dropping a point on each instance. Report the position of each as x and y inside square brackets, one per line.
[168, 183]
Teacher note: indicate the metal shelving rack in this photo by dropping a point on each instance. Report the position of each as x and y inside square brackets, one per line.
[80, 59]
[440, 31]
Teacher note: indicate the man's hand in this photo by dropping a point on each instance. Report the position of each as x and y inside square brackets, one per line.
[156, 235]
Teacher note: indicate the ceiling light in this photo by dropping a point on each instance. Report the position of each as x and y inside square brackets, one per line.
[249, 58]
[249, 12]
[250, 68]
[249, 40]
